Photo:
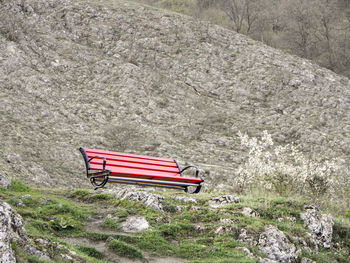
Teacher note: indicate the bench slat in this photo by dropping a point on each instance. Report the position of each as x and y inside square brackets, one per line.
[136, 165]
[121, 171]
[132, 160]
[129, 155]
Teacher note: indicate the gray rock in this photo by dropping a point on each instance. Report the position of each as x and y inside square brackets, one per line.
[276, 245]
[247, 211]
[135, 224]
[220, 201]
[247, 238]
[5, 182]
[321, 225]
[307, 260]
[11, 229]
[137, 195]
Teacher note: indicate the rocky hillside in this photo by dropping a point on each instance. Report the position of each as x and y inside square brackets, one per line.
[125, 77]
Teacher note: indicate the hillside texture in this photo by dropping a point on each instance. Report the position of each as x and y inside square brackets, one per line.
[125, 77]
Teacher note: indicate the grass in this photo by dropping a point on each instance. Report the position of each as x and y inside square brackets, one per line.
[111, 223]
[124, 250]
[91, 252]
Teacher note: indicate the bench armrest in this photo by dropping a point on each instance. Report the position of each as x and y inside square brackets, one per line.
[92, 176]
[191, 166]
[198, 188]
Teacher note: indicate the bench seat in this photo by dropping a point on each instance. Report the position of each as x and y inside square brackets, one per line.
[115, 167]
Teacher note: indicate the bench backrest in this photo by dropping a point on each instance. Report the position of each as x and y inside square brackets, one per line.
[133, 161]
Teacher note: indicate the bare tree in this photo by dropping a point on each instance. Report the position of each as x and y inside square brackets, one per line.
[301, 28]
[243, 14]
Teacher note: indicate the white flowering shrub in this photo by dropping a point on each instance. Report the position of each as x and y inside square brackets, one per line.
[284, 169]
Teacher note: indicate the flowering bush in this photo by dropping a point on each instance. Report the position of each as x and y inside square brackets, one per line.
[284, 169]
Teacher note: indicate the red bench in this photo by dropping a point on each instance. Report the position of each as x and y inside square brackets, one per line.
[114, 167]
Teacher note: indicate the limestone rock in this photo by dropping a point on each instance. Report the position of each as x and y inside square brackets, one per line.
[307, 260]
[247, 211]
[4, 182]
[277, 246]
[321, 225]
[12, 231]
[247, 238]
[220, 201]
[135, 224]
[137, 195]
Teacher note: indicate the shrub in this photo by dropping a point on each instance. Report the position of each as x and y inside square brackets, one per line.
[91, 252]
[124, 250]
[284, 169]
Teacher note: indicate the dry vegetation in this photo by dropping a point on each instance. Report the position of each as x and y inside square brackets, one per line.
[318, 30]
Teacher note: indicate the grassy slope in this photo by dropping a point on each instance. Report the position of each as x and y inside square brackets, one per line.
[68, 216]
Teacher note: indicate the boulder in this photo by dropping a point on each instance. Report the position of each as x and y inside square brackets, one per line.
[5, 182]
[138, 195]
[13, 232]
[247, 238]
[135, 224]
[321, 225]
[247, 211]
[276, 245]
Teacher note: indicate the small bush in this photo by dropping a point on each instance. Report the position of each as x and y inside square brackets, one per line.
[124, 250]
[176, 229]
[18, 186]
[285, 170]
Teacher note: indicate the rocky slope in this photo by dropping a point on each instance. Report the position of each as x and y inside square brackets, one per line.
[125, 77]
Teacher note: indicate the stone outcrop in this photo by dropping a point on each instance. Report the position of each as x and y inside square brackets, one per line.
[138, 195]
[247, 211]
[135, 224]
[13, 232]
[10, 229]
[247, 237]
[321, 225]
[5, 182]
[277, 246]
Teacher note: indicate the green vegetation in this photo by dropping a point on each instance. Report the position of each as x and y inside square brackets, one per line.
[90, 251]
[111, 223]
[124, 250]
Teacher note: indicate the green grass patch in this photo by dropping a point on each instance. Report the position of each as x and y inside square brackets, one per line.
[18, 186]
[111, 223]
[176, 230]
[124, 250]
[90, 251]
[90, 197]
[154, 242]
